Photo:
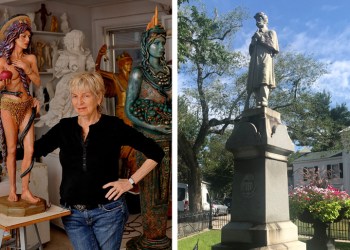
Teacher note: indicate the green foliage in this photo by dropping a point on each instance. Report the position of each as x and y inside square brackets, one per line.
[203, 41]
[188, 118]
[218, 166]
[295, 74]
[312, 122]
[206, 104]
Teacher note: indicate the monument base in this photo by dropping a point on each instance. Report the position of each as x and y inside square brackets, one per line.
[21, 207]
[295, 245]
[260, 211]
[141, 243]
[246, 236]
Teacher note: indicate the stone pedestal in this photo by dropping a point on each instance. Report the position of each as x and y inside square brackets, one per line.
[260, 208]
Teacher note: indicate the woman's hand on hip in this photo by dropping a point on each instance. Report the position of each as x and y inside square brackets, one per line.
[117, 188]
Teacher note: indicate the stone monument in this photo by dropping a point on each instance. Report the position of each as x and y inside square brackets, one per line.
[260, 209]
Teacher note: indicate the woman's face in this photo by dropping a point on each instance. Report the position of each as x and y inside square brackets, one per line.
[23, 40]
[85, 102]
[157, 48]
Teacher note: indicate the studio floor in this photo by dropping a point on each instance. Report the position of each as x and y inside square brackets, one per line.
[60, 241]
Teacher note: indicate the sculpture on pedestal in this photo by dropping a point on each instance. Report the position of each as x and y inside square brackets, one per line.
[32, 19]
[73, 59]
[18, 69]
[64, 23]
[39, 48]
[261, 75]
[6, 14]
[43, 14]
[116, 86]
[54, 24]
[261, 145]
[148, 106]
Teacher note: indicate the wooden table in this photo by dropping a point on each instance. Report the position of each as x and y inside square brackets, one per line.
[10, 223]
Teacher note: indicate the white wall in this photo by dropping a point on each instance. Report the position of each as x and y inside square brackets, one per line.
[346, 171]
[95, 21]
[123, 15]
[78, 17]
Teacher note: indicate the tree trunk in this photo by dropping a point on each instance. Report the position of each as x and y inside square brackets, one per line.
[194, 186]
[194, 190]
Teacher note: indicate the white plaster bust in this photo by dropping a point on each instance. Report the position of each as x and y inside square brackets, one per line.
[32, 19]
[74, 58]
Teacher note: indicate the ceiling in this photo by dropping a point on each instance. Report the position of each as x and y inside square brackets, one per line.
[84, 3]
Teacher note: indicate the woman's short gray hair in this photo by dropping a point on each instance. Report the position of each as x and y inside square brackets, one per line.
[90, 81]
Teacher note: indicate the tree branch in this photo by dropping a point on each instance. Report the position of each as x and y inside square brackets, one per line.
[225, 34]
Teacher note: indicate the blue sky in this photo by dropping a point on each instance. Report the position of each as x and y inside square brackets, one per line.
[320, 28]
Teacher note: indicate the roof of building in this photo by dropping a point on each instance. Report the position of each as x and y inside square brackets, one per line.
[318, 155]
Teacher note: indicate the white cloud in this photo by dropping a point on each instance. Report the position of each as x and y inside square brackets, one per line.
[327, 7]
[337, 82]
[329, 46]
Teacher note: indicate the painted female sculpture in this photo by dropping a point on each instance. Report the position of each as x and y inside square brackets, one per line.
[17, 112]
[148, 106]
[116, 86]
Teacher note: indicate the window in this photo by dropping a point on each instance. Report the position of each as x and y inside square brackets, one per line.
[125, 40]
[335, 171]
[181, 194]
[310, 173]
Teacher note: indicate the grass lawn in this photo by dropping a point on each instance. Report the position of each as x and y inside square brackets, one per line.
[209, 238]
[205, 240]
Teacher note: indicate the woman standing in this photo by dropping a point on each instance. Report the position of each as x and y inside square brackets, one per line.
[89, 154]
[16, 102]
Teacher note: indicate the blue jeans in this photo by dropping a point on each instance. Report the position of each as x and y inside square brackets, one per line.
[99, 228]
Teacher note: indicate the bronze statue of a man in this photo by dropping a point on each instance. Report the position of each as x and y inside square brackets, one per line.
[262, 49]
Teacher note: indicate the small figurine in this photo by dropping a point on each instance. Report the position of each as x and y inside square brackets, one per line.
[47, 56]
[6, 14]
[64, 23]
[54, 24]
[40, 55]
[43, 14]
[54, 52]
[32, 18]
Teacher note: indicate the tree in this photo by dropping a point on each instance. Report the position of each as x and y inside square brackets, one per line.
[218, 165]
[202, 44]
[312, 122]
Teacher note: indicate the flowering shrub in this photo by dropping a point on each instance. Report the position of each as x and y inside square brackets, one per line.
[324, 204]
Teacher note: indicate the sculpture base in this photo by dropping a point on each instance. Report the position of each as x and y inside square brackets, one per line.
[142, 243]
[21, 207]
